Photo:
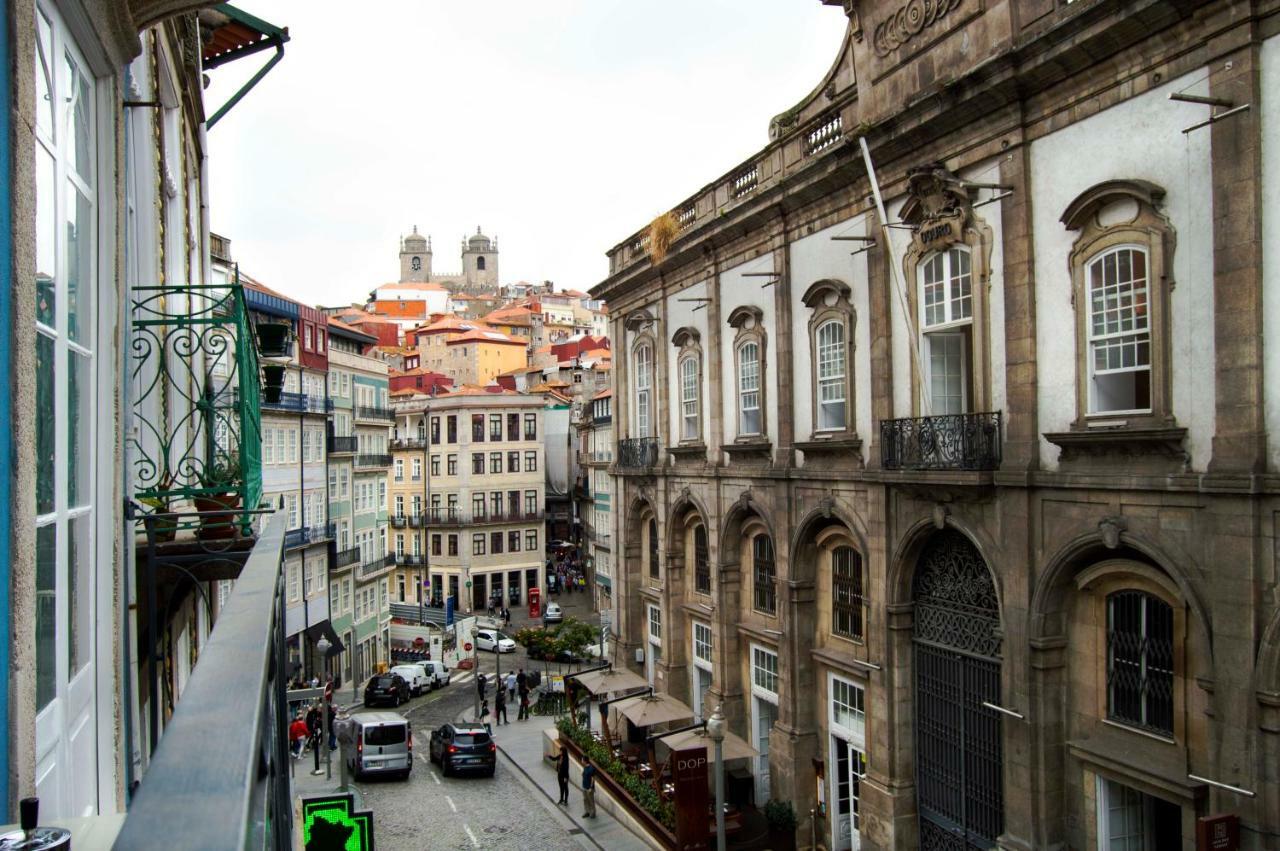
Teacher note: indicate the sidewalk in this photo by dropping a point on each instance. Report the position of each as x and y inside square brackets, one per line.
[521, 743]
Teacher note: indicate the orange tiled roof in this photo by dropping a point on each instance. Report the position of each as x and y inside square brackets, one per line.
[485, 336]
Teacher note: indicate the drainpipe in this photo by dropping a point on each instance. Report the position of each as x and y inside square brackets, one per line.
[6, 407]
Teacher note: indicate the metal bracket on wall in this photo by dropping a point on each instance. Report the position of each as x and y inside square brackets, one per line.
[1214, 117]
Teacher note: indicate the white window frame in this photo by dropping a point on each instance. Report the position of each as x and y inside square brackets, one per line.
[644, 390]
[761, 691]
[854, 738]
[749, 388]
[1141, 335]
[828, 353]
[690, 398]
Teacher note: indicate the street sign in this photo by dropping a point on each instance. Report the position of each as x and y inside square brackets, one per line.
[468, 583]
[331, 822]
[467, 647]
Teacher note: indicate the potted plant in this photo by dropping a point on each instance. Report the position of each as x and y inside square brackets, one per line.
[272, 382]
[164, 529]
[221, 480]
[274, 339]
[781, 817]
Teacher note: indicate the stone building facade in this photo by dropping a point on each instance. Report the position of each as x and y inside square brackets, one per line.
[964, 507]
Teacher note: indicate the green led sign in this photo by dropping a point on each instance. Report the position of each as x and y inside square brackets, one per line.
[330, 824]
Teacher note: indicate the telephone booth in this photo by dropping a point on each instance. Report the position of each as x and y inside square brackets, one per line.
[535, 602]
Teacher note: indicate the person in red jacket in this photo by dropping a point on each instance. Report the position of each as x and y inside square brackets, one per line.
[297, 735]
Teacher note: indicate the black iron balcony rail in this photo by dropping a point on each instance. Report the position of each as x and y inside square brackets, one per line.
[380, 461]
[373, 412]
[300, 403]
[409, 443]
[347, 557]
[406, 560]
[408, 521]
[306, 535]
[343, 445]
[194, 367]
[944, 442]
[638, 452]
[235, 795]
[377, 565]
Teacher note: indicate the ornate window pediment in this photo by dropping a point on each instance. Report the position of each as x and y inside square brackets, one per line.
[746, 317]
[686, 336]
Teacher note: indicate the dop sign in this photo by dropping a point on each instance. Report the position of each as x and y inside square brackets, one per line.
[692, 799]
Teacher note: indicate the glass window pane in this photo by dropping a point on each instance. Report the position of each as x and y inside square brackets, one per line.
[79, 429]
[46, 414]
[44, 75]
[80, 592]
[79, 265]
[79, 99]
[46, 237]
[46, 613]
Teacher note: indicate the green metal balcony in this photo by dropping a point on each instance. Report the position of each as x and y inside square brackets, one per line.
[197, 437]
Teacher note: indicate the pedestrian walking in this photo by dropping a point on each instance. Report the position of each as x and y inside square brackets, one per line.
[313, 731]
[297, 735]
[484, 715]
[588, 788]
[480, 685]
[523, 715]
[333, 733]
[511, 686]
[562, 775]
[500, 707]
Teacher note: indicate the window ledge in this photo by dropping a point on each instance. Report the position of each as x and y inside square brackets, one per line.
[688, 451]
[842, 443]
[1085, 442]
[756, 447]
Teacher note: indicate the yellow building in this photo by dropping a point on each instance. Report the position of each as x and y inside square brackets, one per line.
[467, 498]
[480, 356]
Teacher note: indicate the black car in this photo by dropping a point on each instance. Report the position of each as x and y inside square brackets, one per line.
[386, 688]
[464, 747]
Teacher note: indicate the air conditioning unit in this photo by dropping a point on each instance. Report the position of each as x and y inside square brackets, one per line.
[639, 655]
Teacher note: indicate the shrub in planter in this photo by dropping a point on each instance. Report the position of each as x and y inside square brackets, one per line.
[639, 790]
[782, 823]
[274, 339]
[163, 529]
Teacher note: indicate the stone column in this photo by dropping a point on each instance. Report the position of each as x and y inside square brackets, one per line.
[1021, 422]
[879, 297]
[783, 455]
[712, 404]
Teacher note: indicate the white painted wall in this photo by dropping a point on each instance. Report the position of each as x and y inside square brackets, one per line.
[813, 258]
[1139, 138]
[1270, 214]
[679, 315]
[989, 172]
[738, 290]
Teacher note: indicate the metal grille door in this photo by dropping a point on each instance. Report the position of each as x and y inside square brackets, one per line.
[959, 780]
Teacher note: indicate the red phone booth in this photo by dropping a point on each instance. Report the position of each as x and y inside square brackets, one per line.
[535, 602]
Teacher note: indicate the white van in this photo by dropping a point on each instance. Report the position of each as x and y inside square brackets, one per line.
[378, 743]
[417, 678]
[436, 672]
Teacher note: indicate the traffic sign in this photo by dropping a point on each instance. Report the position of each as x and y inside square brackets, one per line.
[467, 647]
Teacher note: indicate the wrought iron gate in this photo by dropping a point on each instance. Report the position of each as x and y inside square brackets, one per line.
[959, 781]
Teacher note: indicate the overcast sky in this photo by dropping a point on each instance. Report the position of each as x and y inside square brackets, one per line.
[561, 126]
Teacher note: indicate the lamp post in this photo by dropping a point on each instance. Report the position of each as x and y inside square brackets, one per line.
[475, 664]
[715, 732]
[323, 646]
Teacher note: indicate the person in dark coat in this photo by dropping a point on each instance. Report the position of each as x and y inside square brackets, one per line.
[562, 776]
[500, 707]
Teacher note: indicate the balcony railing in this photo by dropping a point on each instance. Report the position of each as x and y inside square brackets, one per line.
[197, 418]
[945, 442]
[372, 412]
[299, 403]
[236, 698]
[304, 536]
[409, 443]
[406, 560]
[377, 565]
[638, 452]
[342, 445]
[346, 558]
[380, 461]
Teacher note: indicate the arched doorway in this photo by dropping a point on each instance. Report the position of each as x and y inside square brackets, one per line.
[956, 642]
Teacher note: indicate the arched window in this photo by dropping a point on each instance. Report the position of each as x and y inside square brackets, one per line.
[847, 596]
[1140, 661]
[946, 313]
[764, 575]
[644, 390]
[1119, 332]
[832, 375]
[480, 264]
[701, 561]
[689, 399]
[653, 549]
[750, 421]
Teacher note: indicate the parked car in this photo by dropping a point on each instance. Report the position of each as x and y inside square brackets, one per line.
[463, 747]
[436, 672]
[415, 676]
[491, 639]
[388, 688]
[379, 742]
[552, 614]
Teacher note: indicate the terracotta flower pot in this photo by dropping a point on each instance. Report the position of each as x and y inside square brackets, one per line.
[221, 526]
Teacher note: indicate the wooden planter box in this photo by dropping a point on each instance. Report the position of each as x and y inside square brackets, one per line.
[655, 828]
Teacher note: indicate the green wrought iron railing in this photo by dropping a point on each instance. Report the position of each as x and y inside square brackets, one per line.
[197, 434]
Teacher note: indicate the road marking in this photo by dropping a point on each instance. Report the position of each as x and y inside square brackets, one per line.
[452, 805]
[475, 843]
[435, 778]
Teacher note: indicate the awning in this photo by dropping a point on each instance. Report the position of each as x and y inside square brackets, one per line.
[610, 679]
[733, 746]
[325, 629]
[228, 34]
[648, 710]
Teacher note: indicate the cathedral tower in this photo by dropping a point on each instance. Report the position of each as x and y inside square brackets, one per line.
[415, 258]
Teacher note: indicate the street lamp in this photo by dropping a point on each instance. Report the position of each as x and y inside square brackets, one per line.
[715, 732]
[323, 646]
[475, 665]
